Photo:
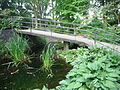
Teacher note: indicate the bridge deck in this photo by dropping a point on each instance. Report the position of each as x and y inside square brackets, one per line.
[74, 39]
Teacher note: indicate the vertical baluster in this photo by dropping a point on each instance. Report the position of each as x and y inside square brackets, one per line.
[40, 26]
[95, 36]
[11, 22]
[50, 27]
[74, 32]
[32, 26]
[45, 25]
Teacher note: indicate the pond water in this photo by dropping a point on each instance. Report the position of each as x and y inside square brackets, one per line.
[24, 78]
[28, 79]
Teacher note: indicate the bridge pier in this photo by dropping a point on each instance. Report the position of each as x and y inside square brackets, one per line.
[65, 45]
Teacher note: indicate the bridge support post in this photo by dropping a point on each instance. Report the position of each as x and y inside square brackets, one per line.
[66, 45]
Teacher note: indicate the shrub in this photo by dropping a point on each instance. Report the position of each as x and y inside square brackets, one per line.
[94, 69]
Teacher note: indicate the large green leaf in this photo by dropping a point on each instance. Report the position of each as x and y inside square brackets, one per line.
[74, 85]
[111, 85]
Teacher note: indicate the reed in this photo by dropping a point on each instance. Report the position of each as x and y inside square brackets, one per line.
[47, 56]
[16, 47]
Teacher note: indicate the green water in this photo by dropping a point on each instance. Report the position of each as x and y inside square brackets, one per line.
[29, 79]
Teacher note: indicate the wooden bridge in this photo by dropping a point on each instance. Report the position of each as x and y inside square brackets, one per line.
[68, 32]
[70, 38]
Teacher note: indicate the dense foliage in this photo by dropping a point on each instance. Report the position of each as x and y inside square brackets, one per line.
[94, 69]
[67, 10]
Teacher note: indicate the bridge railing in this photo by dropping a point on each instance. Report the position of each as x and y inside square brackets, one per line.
[18, 22]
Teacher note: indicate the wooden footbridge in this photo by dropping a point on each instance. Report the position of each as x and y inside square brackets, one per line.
[68, 32]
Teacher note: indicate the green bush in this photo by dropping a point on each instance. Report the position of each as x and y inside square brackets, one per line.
[94, 69]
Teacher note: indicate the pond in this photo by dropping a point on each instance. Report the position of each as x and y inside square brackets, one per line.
[28, 79]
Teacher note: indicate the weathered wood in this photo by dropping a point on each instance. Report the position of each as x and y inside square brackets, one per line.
[68, 38]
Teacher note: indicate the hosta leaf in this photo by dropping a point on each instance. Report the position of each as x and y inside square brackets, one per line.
[111, 79]
[109, 84]
[102, 59]
[93, 66]
[103, 87]
[109, 70]
[70, 74]
[102, 75]
[117, 85]
[44, 88]
[77, 85]
[81, 79]
[60, 88]
[94, 83]
[82, 88]
[113, 75]
[74, 85]
[86, 76]
[64, 82]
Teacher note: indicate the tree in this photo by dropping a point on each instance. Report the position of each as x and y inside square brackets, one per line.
[67, 9]
[4, 4]
[110, 11]
[38, 7]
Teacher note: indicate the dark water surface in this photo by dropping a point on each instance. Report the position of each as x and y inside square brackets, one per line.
[28, 79]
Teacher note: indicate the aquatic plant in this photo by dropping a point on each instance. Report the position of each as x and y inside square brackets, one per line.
[47, 56]
[16, 48]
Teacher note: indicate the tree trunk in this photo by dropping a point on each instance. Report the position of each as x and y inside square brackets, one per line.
[36, 17]
[105, 20]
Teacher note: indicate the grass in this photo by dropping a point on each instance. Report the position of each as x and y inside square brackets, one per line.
[16, 48]
[47, 56]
